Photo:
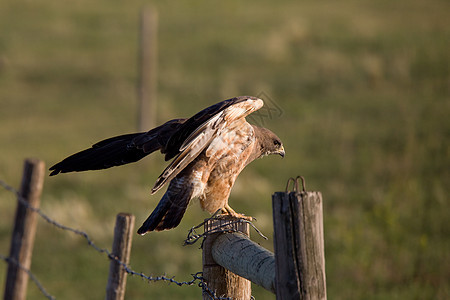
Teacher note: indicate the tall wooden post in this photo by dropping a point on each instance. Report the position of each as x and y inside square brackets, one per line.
[148, 61]
[123, 235]
[299, 246]
[219, 280]
[24, 230]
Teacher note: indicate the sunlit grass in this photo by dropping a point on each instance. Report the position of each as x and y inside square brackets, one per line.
[364, 88]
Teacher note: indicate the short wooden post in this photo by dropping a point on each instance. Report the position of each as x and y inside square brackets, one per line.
[121, 249]
[299, 246]
[219, 280]
[148, 69]
[24, 229]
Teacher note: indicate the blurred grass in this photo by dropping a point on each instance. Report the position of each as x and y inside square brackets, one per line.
[364, 87]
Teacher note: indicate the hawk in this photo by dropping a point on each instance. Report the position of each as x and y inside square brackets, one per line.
[208, 151]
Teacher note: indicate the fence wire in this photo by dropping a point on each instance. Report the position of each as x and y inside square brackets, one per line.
[193, 236]
[10, 260]
[196, 278]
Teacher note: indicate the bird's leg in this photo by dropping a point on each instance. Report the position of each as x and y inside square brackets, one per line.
[231, 212]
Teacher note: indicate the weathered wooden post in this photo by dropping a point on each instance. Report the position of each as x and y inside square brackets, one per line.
[220, 281]
[296, 271]
[148, 64]
[237, 253]
[299, 245]
[24, 230]
[121, 249]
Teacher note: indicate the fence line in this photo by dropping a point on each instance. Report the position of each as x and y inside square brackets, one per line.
[24, 230]
[197, 278]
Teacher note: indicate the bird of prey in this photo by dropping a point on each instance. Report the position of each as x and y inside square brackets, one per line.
[208, 152]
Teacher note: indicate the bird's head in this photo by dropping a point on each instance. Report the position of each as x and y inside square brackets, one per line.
[270, 143]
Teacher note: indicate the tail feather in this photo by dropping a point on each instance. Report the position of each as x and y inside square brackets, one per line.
[170, 209]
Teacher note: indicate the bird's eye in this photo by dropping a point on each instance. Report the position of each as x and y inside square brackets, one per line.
[276, 143]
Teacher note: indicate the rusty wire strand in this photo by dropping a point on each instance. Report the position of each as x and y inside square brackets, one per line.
[303, 183]
[295, 185]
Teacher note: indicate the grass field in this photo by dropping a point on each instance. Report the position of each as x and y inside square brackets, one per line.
[364, 88]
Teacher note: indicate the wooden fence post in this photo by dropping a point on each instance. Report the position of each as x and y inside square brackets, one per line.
[121, 249]
[219, 280]
[299, 246]
[148, 62]
[24, 230]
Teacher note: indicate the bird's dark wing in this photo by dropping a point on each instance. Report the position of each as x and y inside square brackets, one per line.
[157, 138]
[197, 132]
[119, 150]
[192, 124]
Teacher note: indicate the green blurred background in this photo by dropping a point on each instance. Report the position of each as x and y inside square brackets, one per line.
[364, 91]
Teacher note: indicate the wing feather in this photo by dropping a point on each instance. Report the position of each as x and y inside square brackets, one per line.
[202, 135]
[178, 138]
[192, 147]
[203, 132]
[119, 150]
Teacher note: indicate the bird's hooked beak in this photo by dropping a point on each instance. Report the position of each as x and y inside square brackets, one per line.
[281, 151]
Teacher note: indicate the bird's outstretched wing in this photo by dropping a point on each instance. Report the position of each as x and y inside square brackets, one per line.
[119, 150]
[180, 139]
[196, 133]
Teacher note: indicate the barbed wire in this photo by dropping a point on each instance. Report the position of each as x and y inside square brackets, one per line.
[193, 236]
[196, 278]
[11, 260]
